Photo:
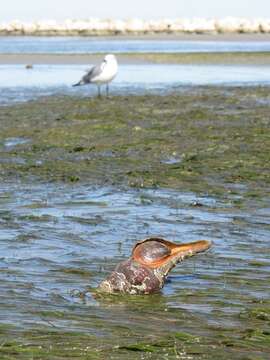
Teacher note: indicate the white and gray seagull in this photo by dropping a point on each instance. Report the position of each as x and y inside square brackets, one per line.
[101, 74]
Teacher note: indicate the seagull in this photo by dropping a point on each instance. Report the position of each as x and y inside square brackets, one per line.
[101, 74]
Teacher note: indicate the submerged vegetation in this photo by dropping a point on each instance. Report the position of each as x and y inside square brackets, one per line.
[250, 342]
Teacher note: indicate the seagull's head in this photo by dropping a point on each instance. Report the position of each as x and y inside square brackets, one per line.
[110, 58]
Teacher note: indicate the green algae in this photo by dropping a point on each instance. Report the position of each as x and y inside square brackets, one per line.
[220, 136]
[260, 313]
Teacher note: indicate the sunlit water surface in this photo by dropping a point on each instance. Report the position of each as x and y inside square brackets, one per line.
[20, 84]
[82, 45]
[58, 241]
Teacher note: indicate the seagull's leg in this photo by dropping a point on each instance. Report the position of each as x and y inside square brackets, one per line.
[99, 93]
[107, 89]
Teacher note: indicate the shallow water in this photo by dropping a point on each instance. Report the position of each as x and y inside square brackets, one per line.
[58, 241]
[19, 84]
[81, 45]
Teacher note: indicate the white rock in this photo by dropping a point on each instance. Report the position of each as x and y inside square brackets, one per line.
[227, 25]
[101, 26]
[265, 25]
[249, 26]
[134, 25]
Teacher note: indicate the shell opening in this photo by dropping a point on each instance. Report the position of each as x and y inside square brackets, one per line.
[151, 252]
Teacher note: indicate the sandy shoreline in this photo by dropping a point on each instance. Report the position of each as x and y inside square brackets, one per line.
[226, 58]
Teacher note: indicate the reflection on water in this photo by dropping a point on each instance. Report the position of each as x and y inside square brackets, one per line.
[20, 84]
[82, 45]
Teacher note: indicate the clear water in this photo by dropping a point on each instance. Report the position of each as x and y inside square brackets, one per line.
[19, 84]
[81, 45]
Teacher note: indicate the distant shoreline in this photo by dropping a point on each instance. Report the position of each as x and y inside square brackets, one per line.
[214, 58]
[101, 27]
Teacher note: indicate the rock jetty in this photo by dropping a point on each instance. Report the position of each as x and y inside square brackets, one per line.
[93, 26]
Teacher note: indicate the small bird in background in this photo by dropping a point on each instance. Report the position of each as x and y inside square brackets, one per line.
[101, 74]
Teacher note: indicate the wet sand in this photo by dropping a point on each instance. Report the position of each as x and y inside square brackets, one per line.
[177, 36]
[192, 37]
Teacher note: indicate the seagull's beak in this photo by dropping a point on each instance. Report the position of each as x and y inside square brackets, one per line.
[81, 82]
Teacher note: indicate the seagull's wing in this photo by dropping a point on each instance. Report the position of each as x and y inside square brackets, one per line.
[91, 74]
[94, 72]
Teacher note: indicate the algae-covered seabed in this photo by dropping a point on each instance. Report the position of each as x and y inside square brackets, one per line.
[211, 141]
[199, 139]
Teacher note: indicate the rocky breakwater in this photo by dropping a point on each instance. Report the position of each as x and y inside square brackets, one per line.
[93, 26]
